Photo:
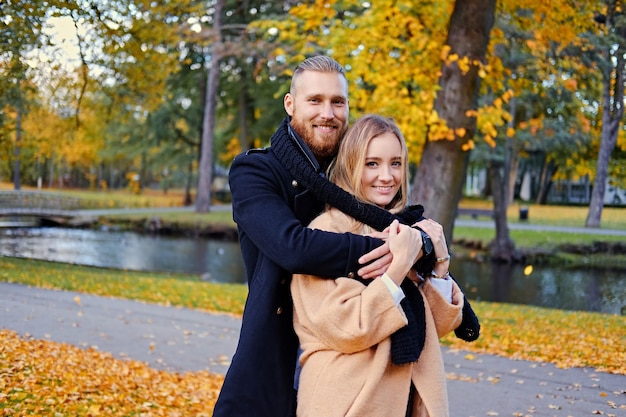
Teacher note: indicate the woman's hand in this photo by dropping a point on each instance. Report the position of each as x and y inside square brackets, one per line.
[405, 244]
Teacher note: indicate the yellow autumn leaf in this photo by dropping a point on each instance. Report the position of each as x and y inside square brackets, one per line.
[489, 140]
[571, 84]
[464, 65]
[94, 410]
[445, 50]
[468, 146]
[433, 117]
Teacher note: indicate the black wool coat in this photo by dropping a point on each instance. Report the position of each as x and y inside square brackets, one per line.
[272, 211]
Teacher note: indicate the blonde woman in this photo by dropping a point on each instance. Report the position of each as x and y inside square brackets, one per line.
[353, 332]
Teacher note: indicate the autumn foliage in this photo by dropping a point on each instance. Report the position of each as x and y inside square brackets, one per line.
[40, 377]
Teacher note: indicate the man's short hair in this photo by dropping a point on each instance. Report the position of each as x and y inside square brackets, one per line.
[317, 63]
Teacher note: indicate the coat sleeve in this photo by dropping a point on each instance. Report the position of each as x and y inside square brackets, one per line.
[344, 314]
[447, 315]
[261, 211]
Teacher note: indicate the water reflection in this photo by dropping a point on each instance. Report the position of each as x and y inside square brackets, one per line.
[219, 261]
[563, 288]
[216, 261]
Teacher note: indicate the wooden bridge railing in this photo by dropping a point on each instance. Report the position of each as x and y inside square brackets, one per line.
[39, 200]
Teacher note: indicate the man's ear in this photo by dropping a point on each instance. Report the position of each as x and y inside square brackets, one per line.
[288, 102]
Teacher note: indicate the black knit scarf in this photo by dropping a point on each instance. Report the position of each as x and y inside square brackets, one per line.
[408, 342]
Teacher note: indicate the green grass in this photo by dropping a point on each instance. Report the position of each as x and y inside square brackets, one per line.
[185, 290]
[534, 239]
[183, 218]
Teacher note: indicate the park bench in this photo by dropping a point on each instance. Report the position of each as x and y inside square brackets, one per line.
[474, 212]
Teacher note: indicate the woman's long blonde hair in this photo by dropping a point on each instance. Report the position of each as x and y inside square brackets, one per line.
[347, 169]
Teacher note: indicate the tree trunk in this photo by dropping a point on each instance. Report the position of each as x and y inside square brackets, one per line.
[612, 113]
[188, 200]
[545, 181]
[608, 140]
[442, 170]
[503, 247]
[205, 171]
[512, 177]
[244, 114]
[485, 193]
[512, 159]
[611, 116]
[51, 171]
[17, 179]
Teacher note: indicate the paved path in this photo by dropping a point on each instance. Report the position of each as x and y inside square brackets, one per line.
[179, 339]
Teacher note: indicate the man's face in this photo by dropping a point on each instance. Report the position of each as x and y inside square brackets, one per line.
[319, 110]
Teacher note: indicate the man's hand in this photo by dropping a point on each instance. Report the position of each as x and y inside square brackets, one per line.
[435, 231]
[381, 257]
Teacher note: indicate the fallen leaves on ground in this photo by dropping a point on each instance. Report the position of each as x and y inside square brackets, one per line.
[47, 378]
[565, 338]
[39, 377]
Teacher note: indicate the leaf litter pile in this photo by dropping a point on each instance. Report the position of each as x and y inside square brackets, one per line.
[40, 377]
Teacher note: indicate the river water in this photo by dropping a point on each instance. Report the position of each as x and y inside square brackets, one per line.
[220, 261]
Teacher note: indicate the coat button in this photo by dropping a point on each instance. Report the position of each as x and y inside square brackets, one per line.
[279, 310]
[294, 184]
[351, 275]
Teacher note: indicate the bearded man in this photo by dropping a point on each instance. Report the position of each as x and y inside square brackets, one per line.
[272, 210]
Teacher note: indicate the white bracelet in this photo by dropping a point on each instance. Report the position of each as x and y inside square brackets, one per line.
[441, 260]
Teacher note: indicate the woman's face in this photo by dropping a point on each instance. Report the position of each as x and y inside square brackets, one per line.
[383, 170]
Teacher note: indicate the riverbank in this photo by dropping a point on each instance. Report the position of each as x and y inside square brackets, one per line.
[537, 244]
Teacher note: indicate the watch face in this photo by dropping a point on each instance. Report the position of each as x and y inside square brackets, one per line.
[427, 243]
[425, 264]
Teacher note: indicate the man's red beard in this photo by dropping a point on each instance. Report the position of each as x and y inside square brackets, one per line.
[322, 146]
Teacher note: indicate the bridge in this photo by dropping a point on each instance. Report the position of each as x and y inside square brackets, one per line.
[36, 208]
[39, 207]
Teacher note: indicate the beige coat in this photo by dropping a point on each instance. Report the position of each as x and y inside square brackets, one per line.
[344, 329]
